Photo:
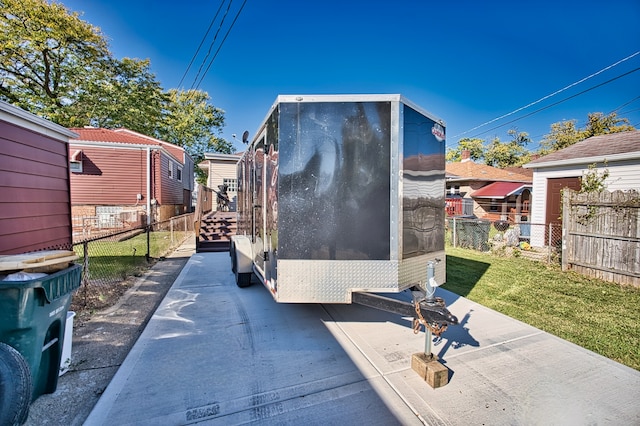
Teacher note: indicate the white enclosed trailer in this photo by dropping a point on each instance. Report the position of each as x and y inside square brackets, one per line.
[341, 196]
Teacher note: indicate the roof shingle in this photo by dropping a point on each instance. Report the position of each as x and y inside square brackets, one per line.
[96, 134]
[595, 146]
[473, 171]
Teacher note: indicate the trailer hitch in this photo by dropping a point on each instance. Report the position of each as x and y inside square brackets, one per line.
[428, 310]
[434, 312]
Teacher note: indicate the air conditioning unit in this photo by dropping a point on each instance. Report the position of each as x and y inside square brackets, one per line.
[75, 166]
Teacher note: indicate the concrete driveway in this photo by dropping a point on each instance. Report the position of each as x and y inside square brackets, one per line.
[214, 353]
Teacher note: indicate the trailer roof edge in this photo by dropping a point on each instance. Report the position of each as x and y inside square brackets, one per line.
[346, 97]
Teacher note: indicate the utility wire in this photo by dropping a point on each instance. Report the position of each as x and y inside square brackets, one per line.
[200, 46]
[215, 37]
[222, 42]
[625, 104]
[548, 96]
[558, 102]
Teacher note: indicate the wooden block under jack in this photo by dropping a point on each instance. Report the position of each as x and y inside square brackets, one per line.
[430, 369]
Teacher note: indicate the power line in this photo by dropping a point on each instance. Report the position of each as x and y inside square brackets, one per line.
[557, 103]
[215, 37]
[625, 104]
[618, 109]
[222, 42]
[548, 96]
[201, 43]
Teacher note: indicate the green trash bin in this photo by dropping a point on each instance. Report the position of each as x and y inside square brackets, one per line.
[34, 314]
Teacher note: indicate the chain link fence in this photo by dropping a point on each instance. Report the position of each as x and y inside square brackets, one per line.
[542, 242]
[111, 262]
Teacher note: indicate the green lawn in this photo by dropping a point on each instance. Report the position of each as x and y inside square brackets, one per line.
[600, 316]
[120, 259]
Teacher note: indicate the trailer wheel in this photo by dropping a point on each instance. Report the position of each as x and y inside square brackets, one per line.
[15, 386]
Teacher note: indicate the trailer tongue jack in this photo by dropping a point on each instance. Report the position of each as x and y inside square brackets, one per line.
[426, 310]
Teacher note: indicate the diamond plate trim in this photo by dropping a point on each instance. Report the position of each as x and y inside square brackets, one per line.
[332, 281]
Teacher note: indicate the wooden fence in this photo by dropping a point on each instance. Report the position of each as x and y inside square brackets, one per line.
[601, 235]
[204, 204]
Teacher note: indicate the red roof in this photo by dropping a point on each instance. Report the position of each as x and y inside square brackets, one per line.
[96, 134]
[468, 170]
[126, 136]
[500, 190]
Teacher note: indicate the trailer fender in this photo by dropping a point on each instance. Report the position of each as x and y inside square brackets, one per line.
[241, 254]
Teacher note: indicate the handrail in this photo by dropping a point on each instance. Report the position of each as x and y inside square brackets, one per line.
[204, 202]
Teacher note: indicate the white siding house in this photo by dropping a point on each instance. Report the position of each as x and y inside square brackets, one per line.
[619, 153]
[221, 169]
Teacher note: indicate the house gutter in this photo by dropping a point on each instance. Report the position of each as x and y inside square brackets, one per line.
[19, 117]
[583, 160]
[122, 145]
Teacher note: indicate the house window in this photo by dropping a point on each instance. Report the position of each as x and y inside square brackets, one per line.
[495, 205]
[179, 174]
[232, 184]
[170, 170]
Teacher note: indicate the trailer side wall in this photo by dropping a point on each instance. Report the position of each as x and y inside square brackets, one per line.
[423, 185]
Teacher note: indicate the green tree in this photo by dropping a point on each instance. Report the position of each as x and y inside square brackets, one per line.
[600, 124]
[475, 147]
[57, 66]
[126, 95]
[47, 55]
[508, 154]
[193, 123]
[565, 133]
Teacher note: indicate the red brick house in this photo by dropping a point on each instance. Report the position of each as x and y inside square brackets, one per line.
[117, 176]
[487, 192]
[35, 203]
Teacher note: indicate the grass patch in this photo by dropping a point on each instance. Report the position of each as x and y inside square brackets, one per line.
[111, 259]
[113, 266]
[600, 316]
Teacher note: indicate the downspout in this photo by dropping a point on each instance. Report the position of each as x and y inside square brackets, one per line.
[148, 230]
[148, 186]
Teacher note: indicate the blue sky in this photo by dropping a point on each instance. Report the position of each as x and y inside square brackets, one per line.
[467, 62]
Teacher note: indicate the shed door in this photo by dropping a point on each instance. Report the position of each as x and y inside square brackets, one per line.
[554, 203]
[554, 198]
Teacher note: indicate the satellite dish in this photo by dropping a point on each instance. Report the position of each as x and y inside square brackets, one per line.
[245, 137]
